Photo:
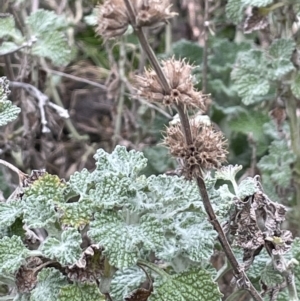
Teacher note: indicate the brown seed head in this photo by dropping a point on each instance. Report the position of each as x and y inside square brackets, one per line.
[179, 76]
[113, 19]
[207, 150]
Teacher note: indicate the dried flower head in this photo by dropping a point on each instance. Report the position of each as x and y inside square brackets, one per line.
[113, 18]
[152, 12]
[207, 151]
[179, 76]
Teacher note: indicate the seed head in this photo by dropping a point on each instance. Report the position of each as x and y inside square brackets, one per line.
[113, 18]
[207, 150]
[179, 76]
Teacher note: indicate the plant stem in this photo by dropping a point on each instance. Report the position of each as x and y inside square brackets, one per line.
[189, 140]
[205, 47]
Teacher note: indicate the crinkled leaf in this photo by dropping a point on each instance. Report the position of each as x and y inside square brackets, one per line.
[192, 285]
[9, 212]
[111, 191]
[250, 86]
[122, 242]
[227, 200]
[188, 50]
[257, 3]
[43, 21]
[246, 188]
[125, 281]
[12, 254]
[295, 86]
[270, 276]
[277, 163]
[66, 250]
[280, 67]
[80, 292]
[49, 284]
[258, 264]
[8, 47]
[49, 186]
[53, 46]
[120, 161]
[234, 10]
[39, 212]
[282, 48]
[76, 214]
[7, 27]
[80, 182]
[228, 173]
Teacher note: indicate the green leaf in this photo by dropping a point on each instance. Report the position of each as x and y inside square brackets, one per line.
[9, 212]
[76, 214]
[247, 188]
[193, 285]
[80, 292]
[189, 50]
[8, 27]
[80, 182]
[8, 111]
[51, 41]
[7, 47]
[39, 211]
[257, 3]
[282, 48]
[49, 283]
[249, 86]
[12, 254]
[277, 163]
[43, 21]
[228, 173]
[120, 161]
[234, 10]
[125, 281]
[123, 242]
[295, 86]
[66, 250]
[270, 276]
[49, 186]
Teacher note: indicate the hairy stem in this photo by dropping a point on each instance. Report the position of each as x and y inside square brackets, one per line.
[205, 47]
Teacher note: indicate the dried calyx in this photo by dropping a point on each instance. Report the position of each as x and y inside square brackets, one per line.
[180, 79]
[207, 151]
[113, 19]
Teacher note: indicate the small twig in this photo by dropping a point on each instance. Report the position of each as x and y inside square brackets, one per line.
[43, 100]
[76, 78]
[24, 45]
[20, 174]
[205, 47]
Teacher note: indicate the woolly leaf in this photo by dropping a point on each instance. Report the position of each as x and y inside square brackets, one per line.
[280, 67]
[234, 10]
[41, 21]
[8, 28]
[53, 46]
[227, 200]
[48, 186]
[111, 191]
[271, 277]
[295, 86]
[228, 173]
[52, 43]
[277, 163]
[257, 3]
[66, 250]
[258, 264]
[76, 214]
[39, 211]
[9, 212]
[80, 292]
[119, 162]
[192, 285]
[8, 47]
[80, 182]
[188, 50]
[49, 283]
[125, 281]
[249, 86]
[282, 48]
[12, 254]
[247, 188]
[8, 111]
[122, 242]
